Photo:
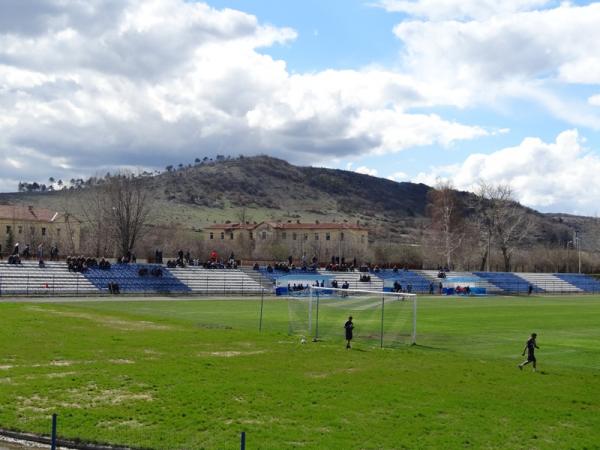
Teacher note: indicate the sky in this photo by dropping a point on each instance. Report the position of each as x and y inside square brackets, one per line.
[411, 90]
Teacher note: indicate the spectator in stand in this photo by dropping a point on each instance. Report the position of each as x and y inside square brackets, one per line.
[54, 253]
[16, 249]
[431, 288]
[213, 256]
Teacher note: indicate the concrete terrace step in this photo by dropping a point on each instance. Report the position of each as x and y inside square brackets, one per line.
[478, 281]
[353, 278]
[548, 282]
[199, 279]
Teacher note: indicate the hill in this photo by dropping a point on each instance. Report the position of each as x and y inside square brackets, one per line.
[265, 188]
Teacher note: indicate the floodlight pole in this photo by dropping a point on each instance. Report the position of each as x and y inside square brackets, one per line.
[578, 241]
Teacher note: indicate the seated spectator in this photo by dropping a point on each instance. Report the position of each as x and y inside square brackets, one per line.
[41, 264]
[14, 259]
[256, 266]
[143, 271]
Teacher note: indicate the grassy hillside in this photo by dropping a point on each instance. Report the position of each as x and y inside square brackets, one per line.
[265, 188]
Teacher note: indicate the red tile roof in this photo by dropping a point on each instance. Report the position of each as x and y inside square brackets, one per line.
[27, 213]
[289, 226]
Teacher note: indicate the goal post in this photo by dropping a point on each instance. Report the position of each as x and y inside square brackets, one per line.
[380, 316]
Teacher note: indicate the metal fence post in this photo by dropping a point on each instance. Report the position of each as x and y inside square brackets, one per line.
[53, 443]
[27, 285]
[243, 441]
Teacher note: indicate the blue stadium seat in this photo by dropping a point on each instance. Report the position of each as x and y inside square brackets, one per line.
[584, 282]
[129, 280]
[508, 282]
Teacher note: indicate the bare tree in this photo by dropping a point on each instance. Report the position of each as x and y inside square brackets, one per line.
[126, 208]
[119, 209]
[501, 220]
[446, 214]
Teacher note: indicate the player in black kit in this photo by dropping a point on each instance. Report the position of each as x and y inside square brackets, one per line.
[530, 347]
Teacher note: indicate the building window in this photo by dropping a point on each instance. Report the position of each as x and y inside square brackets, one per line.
[263, 235]
[230, 235]
[58, 231]
[8, 229]
[327, 236]
[251, 235]
[43, 231]
[283, 235]
[222, 235]
[342, 236]
[20, 229]
[294, 236]
[306, 236]
[211, 236]
[316, 236]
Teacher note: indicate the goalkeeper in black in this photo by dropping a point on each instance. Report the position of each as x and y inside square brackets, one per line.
[349, 326]
[530, 347]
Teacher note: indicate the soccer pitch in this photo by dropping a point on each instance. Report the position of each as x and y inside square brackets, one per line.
[194, 374]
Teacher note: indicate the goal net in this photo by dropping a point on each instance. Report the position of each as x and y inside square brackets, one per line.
[380, 318]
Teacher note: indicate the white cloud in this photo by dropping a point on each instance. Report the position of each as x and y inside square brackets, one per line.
[366, 171]
[398, 176]
[594, 100]
[506, 55]
[556, 176]
[459, 9]
[86, 86]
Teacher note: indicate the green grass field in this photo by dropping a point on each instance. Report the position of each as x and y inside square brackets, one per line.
[194, 374]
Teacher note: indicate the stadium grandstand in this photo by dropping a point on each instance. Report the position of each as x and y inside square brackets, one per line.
[55, 278]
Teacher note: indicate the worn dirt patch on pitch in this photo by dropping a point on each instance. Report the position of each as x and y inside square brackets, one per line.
[88, 396]
[111, 322]
[231, 353]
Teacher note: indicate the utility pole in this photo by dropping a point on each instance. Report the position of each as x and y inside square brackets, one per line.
[577, 240]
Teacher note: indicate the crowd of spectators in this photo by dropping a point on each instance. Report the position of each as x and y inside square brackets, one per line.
[154, 271]
[80, 263]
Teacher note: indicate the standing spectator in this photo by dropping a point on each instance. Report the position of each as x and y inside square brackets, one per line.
[349, 326]
[40, 252]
